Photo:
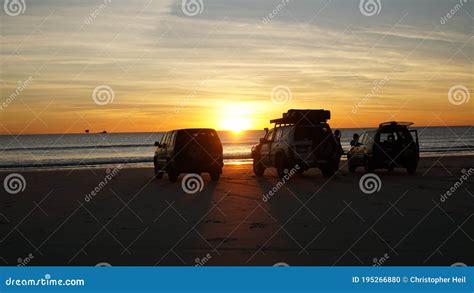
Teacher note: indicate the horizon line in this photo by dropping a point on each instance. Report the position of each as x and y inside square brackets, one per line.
[227, 130]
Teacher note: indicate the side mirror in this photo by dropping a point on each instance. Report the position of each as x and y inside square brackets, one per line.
[157, 144]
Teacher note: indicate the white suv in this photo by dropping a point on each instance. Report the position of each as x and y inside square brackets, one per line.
[301, 137]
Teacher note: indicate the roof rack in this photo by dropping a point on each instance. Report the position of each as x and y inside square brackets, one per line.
[407, 124]
[303, 116]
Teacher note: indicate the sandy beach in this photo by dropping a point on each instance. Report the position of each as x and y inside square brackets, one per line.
[134, 219]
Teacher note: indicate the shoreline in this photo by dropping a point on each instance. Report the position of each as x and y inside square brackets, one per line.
[150, 164]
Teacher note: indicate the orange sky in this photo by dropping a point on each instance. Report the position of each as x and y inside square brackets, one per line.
[149, 67]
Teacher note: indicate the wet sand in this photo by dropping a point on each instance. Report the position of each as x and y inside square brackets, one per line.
[137, 220]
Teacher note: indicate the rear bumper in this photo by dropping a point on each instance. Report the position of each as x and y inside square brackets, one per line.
[199, 165]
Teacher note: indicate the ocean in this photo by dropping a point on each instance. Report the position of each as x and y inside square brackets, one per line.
[136, 149]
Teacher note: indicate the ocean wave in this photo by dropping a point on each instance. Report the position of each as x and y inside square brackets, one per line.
[73, 147]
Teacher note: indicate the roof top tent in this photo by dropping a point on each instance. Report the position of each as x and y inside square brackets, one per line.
[303, 117]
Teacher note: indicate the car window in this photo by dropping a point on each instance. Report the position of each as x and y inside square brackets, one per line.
[269, 136]
[205, 138]
[361, 139]
[304, 133]
[163, 139]
[284, 133]
[278, 134]
[172, 139]
[168, 138]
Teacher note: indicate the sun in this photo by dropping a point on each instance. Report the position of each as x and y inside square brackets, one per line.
[236, 124]
[236, 117]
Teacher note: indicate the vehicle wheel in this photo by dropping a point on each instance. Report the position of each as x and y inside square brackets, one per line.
[258, 167]
[215, 174]
[411, 169]
[158, 172]
[280, 165]
[173, 174]
[327, 170]
[368, 166]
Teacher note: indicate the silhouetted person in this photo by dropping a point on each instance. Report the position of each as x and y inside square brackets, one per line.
[355, 138]
[339, 151]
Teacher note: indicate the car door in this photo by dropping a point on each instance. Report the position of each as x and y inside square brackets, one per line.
[160, 151]
[359, 150]
[169, 149]
[265, 148]
[275, 144]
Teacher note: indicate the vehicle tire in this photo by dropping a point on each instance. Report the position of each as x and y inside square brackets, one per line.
[327, 170]
[159, 175]
[280, 165]
[258, 167]
[411, 169]
[173, 174]
[215, 174]
[368, 166]
[157, 170]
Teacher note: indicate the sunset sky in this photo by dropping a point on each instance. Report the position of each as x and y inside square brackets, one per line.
[218, 68]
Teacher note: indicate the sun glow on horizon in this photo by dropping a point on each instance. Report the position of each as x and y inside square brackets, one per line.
[236, 117]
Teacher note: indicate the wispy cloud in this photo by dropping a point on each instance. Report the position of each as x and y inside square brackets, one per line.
[154, 57]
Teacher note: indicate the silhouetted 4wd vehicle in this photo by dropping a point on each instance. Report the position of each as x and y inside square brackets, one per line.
[188, 151]
[300, 137]
[391, 145]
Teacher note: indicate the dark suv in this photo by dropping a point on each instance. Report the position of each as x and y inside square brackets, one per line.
[391, 145]
[189, 151]
[300, 137]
